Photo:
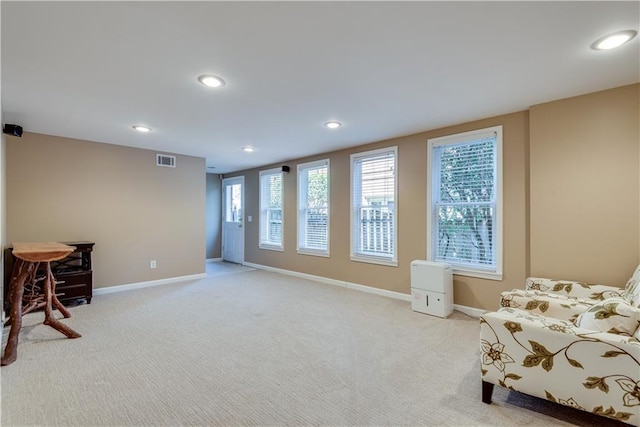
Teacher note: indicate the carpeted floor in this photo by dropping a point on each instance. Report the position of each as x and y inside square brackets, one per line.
[249, 347]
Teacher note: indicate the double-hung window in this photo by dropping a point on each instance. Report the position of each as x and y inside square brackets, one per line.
[464, 202]
[373, 206]
[271, 215]
[313, 208]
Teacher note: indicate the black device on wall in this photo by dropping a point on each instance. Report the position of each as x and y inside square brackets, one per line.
[285, 169]
[13, 130]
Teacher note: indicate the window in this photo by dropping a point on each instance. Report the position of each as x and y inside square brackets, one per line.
[271, 202]
[373, 204]
[233, 203]
[464, 202]
[313, 208]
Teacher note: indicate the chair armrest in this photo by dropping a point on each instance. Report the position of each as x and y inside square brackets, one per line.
[554, 305]
[555, 360]
[572, 288]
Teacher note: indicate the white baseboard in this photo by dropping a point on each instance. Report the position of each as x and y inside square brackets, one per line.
[341, 283]
[381, 292]
[469, 311]
[139, 285]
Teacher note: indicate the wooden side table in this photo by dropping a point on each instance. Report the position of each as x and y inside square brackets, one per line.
[29, 256]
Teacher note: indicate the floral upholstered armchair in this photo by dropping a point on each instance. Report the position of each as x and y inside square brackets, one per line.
[569, 342]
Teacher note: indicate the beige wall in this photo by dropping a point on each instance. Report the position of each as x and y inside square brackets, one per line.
[61, 189]
[585, 187]
[411, 199]
[571, 201]
[213, 216]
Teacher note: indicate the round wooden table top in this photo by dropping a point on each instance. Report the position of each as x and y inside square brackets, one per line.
[41, 251]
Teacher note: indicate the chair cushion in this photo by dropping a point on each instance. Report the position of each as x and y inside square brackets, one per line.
[572, 289]
[546, 304]
[614, 315]
[632, 289]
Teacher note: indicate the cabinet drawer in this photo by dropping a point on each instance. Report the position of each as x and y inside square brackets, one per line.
[70, 286]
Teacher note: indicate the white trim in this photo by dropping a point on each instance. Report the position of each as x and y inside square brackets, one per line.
[469, 272]
[496, 131]
[271, 247]
[304, 166]
[310, 252]
[469, 311]
[357, 256]
[461, 138]
[263, 244]
[140, 285]
[377, 291]
[375, 260]
[223, 214]
[340, 283]
[210, 260]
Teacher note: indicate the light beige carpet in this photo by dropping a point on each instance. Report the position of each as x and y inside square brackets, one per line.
[249, 347]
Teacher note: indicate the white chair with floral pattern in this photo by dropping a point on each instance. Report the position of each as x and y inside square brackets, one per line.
[569, 342]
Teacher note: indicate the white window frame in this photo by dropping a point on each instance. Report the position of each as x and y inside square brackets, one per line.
[302, 206]
[264, 242]
[461, 269]
[355, 254]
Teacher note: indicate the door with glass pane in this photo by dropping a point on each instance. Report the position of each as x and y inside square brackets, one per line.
[233, 219]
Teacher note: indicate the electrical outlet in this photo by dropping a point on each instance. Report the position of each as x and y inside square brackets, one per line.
[152, 264]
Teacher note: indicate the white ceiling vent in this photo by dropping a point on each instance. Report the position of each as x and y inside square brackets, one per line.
[166, 161]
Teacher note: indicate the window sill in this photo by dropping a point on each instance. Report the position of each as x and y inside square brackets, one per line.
[313, 253]
[271, 247]
[372, 260]
[477, 273]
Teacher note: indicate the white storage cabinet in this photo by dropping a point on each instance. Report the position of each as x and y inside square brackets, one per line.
[432, 288]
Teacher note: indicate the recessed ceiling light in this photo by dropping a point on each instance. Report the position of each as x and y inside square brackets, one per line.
[248, 149]
[333, 125]
[613, 40]
[141, 128]
[211, 81]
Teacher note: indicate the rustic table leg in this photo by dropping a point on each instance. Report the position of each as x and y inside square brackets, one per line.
[21, 271]
[56, 302]
[49, 319]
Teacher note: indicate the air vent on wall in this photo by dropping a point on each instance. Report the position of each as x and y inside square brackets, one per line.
[166, 161]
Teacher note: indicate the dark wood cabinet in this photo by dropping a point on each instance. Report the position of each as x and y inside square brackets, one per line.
[74, 274]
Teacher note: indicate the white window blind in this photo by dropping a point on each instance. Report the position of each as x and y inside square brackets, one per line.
[313, 208]
[271, 202]
[373, 200]
[465, 201]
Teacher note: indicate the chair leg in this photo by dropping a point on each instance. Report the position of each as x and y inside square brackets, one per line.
[487, 391]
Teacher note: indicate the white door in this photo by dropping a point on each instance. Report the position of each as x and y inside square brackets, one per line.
[233, 219]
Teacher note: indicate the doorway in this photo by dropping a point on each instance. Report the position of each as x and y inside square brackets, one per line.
[233, 219]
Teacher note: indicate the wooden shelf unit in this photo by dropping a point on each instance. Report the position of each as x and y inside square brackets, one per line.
[74, 274]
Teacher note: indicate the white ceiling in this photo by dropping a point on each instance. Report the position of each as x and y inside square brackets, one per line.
[91, 70]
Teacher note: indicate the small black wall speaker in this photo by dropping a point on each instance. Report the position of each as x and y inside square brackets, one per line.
[285, 169]
[13, 130]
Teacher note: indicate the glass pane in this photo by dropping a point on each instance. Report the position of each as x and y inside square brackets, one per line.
[314, 202]
[465, 234]
[274, 219]
[374, 200]
[376, 230]
[316, 229]
[467, 172]
[233, 203]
